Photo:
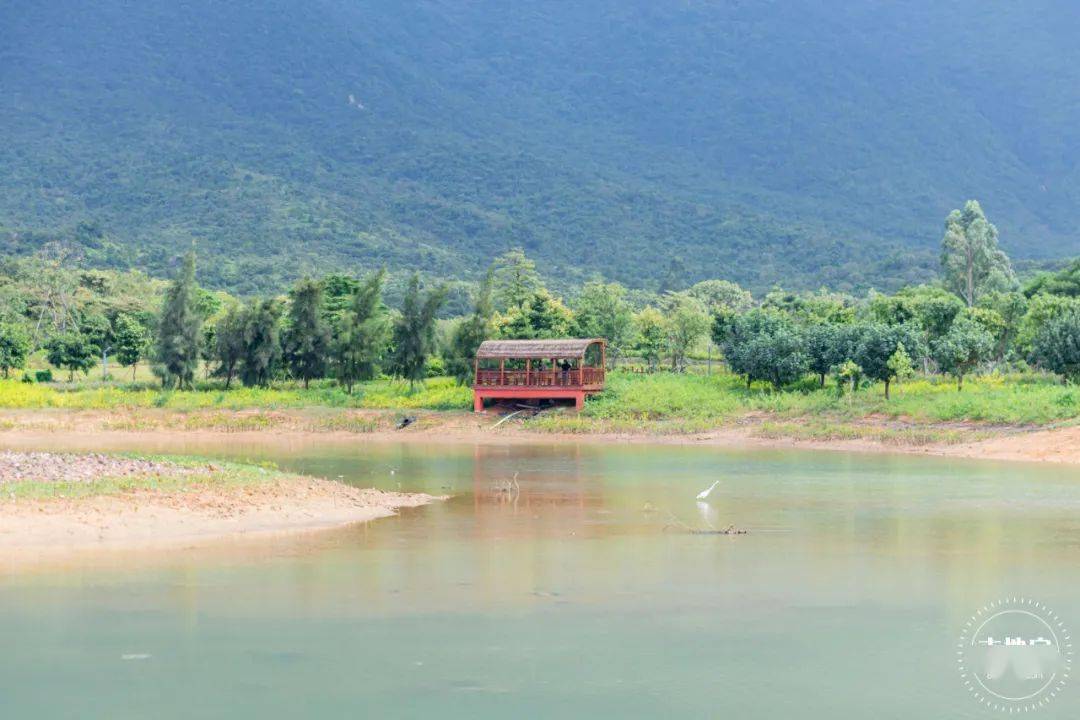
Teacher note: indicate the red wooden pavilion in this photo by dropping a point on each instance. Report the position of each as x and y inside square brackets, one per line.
[538, 370]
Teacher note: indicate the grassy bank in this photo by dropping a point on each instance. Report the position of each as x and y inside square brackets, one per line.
[921, 411]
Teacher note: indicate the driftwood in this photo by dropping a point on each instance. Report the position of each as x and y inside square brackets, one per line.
[678, 524]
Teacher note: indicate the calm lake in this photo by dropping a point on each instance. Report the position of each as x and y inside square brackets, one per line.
[575, 593]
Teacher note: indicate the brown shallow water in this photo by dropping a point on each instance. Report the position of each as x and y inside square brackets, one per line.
[571, 594]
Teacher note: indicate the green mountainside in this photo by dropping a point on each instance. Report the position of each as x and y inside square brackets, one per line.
[644, 140]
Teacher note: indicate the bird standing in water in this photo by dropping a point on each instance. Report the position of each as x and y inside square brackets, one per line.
[704, 494]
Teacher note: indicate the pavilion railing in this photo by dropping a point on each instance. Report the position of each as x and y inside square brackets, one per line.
[572, 378]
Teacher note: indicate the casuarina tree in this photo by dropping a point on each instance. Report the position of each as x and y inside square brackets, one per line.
[180, 328]
[414, 331]
[307, 337]
[262, 345]
[363, 333]
[470, 332]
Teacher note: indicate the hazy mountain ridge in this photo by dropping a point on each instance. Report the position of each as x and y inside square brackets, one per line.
[762, 142]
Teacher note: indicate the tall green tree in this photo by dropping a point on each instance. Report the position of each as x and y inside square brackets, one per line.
[180, 329]
[262, 343]
[602, 311]
[414, 331]
[878, 345]
[686, 323]
[14, 347]
[962, 349]
[651, 335]
[71, 351]
[131, 338]
[364, 333]
[229, 343]
[307, 337]
[98, 330]
[516, 279]
[472, 331]
[971, 261]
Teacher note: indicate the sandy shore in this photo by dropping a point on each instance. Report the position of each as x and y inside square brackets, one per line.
[82, 429]
[144, 518]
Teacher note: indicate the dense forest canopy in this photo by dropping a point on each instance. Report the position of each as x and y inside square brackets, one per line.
[797, 143]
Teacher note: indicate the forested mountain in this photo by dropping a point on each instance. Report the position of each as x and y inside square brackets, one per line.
[652, 141]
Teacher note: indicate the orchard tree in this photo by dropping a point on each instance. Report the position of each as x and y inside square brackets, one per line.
[686, 322]
[14, 347]
[180, 328]
[307, 339]
[652, 335]
[363, 333]
[98, 331]
[131, 339]
[70, 351]
[602, 311]
[823, 349]
[414, 331]
[962, 349]
[1057, 346]
[971, 261]
[470, 332]
[878, 345]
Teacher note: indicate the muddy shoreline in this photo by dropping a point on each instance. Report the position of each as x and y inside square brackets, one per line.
[34, 429]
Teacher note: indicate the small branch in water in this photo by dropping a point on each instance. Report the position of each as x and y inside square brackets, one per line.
[505, 419]
[675, 522]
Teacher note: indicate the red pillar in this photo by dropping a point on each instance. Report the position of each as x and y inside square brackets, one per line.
[579, 401]
[478, 402]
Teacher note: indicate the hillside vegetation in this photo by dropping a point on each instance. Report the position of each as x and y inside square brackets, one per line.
[655, 143]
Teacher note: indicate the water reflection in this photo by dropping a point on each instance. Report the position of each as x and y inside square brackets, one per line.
[568, 590]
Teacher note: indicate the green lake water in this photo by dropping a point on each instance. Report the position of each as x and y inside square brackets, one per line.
[576, 595]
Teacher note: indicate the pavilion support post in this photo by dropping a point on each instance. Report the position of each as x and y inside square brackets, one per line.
[528, 370]
[579, 401]
[478, 402]
[502, 371]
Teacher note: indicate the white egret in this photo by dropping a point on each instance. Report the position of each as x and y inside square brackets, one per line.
[704, 494]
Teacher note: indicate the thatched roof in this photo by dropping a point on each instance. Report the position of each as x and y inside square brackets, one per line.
[569, 348]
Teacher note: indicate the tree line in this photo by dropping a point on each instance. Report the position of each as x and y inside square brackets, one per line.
[340, 327]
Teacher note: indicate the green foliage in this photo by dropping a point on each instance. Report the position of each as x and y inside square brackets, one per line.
[1057, 346]
[180, 329]
[971, 261]
[363, 333]
[878, 343]
[721, 295]
[230, 344]
[602, 311]
[1065, 283]
[899, 363]
[262, 344]
[131, 340]
[960, 350]
[472, 331]
[414, 331]
[70, 351]
[690, 136]
[14, 347]
[686, 322]
[307, 337]
[516, 279]
[652, 335]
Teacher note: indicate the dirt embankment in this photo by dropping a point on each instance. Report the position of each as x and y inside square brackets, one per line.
[148, 502]
[83, 429]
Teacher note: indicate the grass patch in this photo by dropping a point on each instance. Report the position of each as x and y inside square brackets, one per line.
[182, 474]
